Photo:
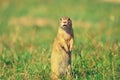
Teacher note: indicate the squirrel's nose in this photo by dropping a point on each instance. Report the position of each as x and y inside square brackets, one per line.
[64, 22]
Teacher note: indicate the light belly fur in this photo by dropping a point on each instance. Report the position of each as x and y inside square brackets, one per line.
[60, 62]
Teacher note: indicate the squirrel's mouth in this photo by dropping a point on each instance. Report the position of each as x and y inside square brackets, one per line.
[64, 25]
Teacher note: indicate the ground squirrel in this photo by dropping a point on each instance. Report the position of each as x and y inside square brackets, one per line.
[62, 47]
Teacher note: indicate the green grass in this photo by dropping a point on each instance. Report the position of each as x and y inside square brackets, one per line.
[25, 46]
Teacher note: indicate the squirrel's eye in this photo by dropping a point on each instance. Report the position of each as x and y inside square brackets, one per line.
[69, 19]
[60, 19]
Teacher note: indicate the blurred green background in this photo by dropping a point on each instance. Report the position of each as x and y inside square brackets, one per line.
[28, 29]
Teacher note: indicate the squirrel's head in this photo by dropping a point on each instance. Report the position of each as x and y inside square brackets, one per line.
[65, 23]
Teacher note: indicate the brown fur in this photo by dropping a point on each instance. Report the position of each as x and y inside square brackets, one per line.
[62, 47]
